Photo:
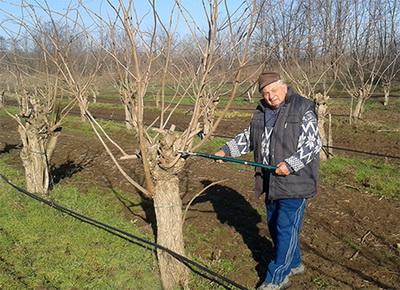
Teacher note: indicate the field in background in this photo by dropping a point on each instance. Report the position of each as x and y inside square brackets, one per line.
[349, 236]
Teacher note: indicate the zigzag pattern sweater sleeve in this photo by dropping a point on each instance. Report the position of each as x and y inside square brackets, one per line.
[239, 145]
[309, 143]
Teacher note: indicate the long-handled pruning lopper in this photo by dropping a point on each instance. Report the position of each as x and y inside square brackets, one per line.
[227, 159]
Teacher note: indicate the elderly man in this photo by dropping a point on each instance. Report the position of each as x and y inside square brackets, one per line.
[283, 132]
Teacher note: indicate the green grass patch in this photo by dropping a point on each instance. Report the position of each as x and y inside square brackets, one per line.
[376, 104]
[74, 125]
[108, 106]
[234, 114]
[109, 91]
[322, 282]
[41, 248]
[211, 145]
[367, 175]
[11, 109]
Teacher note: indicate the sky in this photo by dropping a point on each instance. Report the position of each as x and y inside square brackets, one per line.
[11, 8]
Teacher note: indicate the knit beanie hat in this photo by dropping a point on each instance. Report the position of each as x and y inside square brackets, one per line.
[267, 78]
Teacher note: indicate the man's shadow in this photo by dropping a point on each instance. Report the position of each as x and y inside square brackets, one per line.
[234, 210]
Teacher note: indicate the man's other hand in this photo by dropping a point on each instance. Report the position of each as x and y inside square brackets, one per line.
[282, 169]
[220, 153]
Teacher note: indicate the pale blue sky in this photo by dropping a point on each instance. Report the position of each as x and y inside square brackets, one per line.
[194, 7]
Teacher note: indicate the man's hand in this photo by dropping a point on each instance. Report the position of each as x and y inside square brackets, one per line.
[282, 169]
[220, 153]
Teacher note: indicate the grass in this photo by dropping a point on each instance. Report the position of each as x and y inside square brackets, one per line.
[376, 104]
[322, 282]
[47, 249]
[75, 125]
[234, 115]
[110, 92]
[211, 145]
[210, 256]
[367, 175]
[42, 248]
[10, 109]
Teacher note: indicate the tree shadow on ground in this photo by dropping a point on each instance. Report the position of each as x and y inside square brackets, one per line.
[69, 168]
[145, 203]
[8, 147]
[234, 210]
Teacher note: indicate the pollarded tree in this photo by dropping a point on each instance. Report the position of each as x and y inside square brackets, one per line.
[39, 119]
[387, 37]
[197, 78]
[39, 125]
[46, 76]
[389, 76]
[215, 73]
[144, 61]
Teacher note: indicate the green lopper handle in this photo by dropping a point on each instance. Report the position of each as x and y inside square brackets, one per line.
[234, 160]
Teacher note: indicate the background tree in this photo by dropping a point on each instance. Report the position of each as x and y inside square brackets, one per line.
[318, 33]
[48, 70]
[40, 116]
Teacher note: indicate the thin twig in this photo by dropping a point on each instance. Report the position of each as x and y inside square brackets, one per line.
[362, 240]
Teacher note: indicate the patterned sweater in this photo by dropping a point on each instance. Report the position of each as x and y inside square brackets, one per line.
[309, 143]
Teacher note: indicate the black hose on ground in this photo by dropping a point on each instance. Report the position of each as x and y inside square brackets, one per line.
[213, 276]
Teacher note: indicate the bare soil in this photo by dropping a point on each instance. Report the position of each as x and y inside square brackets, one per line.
[349, 239]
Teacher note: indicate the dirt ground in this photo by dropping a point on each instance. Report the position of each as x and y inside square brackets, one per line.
[349, 239]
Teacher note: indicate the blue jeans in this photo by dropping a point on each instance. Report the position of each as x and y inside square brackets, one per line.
[285, 218]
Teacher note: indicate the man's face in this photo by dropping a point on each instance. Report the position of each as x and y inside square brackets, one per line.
[274, 94]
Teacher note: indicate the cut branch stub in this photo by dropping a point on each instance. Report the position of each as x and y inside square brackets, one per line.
[322, 104]
[209, 113]
[169, 144]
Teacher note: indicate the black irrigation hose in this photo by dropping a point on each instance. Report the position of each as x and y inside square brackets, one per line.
[362, 152]
[123, 234]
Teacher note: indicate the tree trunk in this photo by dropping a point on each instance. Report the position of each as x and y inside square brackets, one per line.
[208, 124]
[128, 117]
[2, 101]
[330, 137]
[168, 209]
[208, 117]
[157, 100]
[322, 108]
[83, 106]
[386, 91]
[323, 154]
[358, 110]
[34, 160]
